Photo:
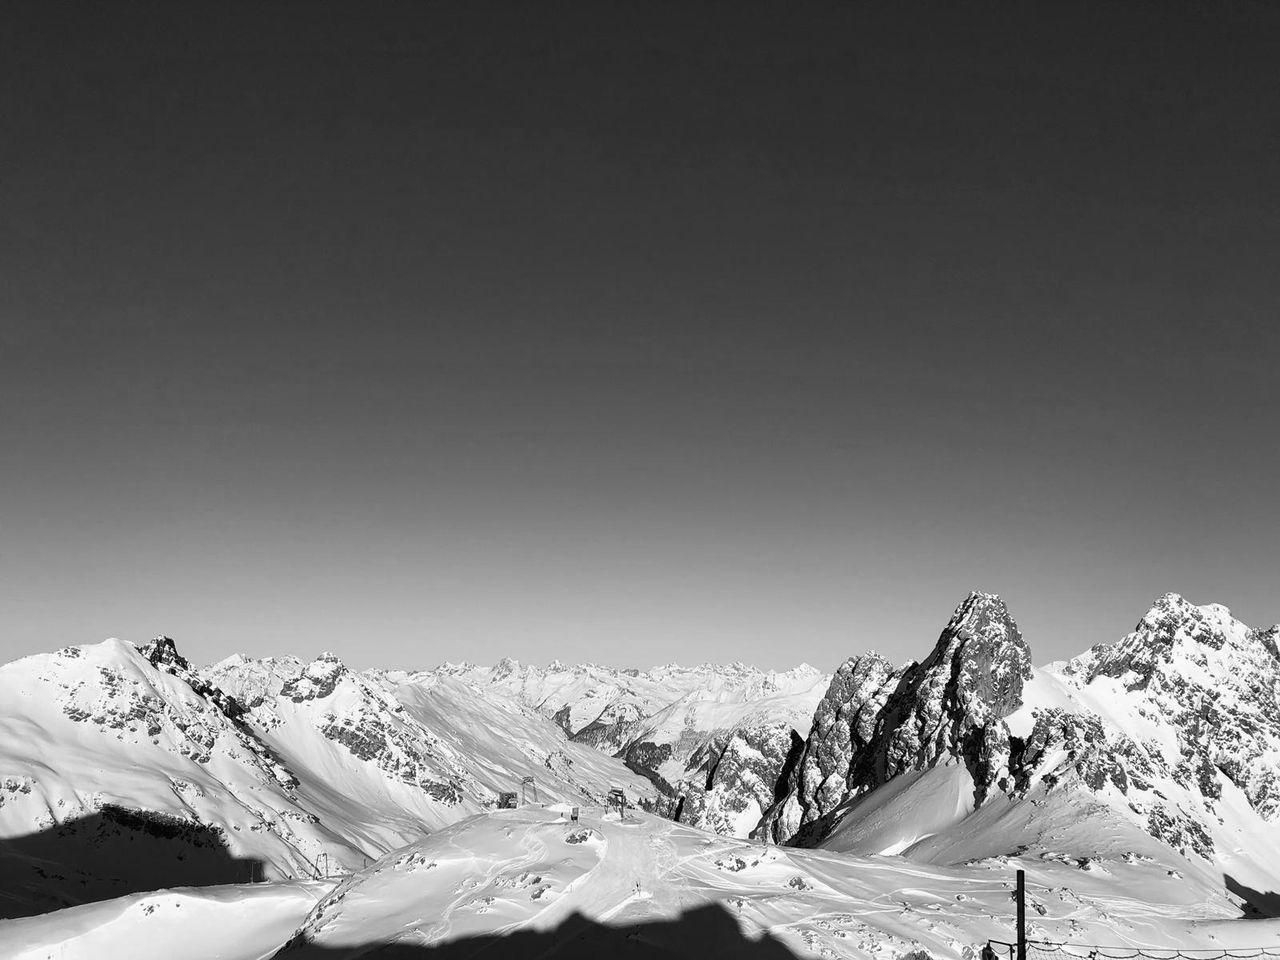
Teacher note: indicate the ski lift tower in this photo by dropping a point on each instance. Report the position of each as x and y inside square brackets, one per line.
[528, 786]
[617, 798]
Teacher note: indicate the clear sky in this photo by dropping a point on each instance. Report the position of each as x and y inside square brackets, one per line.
[634, 333]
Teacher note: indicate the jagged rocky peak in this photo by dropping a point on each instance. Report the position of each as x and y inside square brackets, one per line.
[877, 722]
[1214, 683]
[162, 652]
[843, 724]
[1269, 639]
[988, 659]
[1177, 639]
[505, 668]
[318, 679]
[944, 706]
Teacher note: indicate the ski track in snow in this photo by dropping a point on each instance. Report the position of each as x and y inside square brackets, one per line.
[534, 851]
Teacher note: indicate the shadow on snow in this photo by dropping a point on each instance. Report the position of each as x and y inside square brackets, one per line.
[704, 933]
[111, 853]
[1258, 903]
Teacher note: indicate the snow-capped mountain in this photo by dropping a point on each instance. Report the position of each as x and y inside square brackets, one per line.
[1164, 745]
[422, 755]
[1149, 764]
[104, 744]
[875, 722]
[714, 739]
[265, 769]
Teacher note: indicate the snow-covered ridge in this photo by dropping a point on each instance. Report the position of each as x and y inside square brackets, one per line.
[88, 734]
[713, 738]
[1166, 742]
[273, 767]
[1160, 749]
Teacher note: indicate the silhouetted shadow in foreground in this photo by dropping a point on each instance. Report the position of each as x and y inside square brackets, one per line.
[705, 933]
[111, 853]
[1258, 903]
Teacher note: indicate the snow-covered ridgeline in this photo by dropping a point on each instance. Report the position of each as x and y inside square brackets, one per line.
[1165, 744]
[715, 739]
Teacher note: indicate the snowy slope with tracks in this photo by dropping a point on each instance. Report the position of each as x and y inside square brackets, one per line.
[529, 882]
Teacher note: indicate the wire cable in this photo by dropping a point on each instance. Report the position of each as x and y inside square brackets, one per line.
[1098, 951]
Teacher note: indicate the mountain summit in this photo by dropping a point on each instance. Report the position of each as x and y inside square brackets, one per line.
[1164, 745]
[1157, 756]
[876, 723]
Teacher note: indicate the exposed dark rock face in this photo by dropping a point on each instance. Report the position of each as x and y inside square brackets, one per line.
[1217, 683]
[1197, 712]
[373, 739]
[612, 731]
[737, 775]
[645, 758]
[318, 680]
[843, 726]
[162, 653]
[365, 720]
[876, 722]
[952, 705]
[563, 717]
[1268, 639]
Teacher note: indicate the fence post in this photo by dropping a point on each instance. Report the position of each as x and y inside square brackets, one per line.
[1022, 915]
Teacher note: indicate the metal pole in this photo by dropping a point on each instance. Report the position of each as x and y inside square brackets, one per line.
[1022, 915]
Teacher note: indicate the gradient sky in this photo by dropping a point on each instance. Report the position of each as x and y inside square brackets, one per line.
[634, 333]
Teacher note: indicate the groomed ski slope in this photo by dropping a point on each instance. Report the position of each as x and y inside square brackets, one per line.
[532, 869]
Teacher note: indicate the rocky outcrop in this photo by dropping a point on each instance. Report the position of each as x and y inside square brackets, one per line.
[292, 702]
[876, 722]
[953, 704]
[1215, 682]
[715, 739]
[735, 778]
[1158, 727]
[843, 726]
[162, 653]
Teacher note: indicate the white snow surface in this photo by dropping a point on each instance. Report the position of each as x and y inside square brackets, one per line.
[325, 771]
[663, 885]
[1153, 789]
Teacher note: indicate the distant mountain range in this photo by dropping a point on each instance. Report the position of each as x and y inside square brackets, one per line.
[1163, 748]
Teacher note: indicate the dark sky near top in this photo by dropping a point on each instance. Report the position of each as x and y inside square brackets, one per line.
[634, 333]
